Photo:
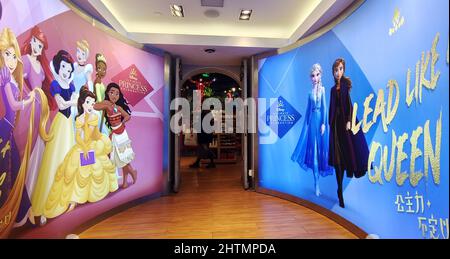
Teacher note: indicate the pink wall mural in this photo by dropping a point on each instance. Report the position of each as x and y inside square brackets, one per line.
[63, 29]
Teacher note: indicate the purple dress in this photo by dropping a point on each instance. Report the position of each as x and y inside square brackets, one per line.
[35, 81]
[9, 157]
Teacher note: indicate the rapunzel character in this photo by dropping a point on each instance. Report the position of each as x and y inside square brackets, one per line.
[100, 88]
[311, 151]
[37, 74]
[116, 115]
[63, 90]
[15, 206]
[346, 151]
[87, 174]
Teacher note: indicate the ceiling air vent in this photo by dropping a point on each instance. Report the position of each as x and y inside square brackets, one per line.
[212, 3]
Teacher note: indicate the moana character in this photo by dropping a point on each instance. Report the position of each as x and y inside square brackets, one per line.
[117, 113]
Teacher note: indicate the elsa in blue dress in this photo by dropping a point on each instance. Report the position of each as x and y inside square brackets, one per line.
[311, 151]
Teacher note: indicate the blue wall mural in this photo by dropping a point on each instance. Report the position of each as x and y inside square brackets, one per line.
[405, 195]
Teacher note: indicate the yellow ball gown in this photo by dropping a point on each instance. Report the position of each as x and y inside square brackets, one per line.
[78, 184]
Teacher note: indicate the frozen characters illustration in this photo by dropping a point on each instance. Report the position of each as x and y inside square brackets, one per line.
[100, 88]
[61, 130]
[86, 174]
[117, 113]
[347, 152]
[311, 151]
[37, 74]
[15, 206]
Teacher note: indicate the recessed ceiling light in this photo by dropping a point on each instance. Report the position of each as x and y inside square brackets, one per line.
[177, 7]
[177, 10]
[245, 14]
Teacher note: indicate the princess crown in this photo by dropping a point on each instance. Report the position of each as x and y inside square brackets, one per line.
[100, 57]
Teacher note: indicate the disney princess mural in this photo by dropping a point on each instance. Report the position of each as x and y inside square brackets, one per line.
[86, 174]
[82, 70]
[15, 206]
[62, 130]
[99, 87]
[311, 151]
[117, 114]
[37, 74]
[347, 152]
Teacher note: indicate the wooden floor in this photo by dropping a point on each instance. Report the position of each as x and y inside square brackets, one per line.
[212, 204]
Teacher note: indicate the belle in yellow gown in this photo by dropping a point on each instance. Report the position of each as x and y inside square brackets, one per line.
[76, 184]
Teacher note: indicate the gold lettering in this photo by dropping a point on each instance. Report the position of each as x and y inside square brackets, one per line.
[388, 173]
[2, 179]
[434, 77]
[355, 127]
[423, 70]
[5, 149]
[367, 111]
[415, 177]
[401, 176]
[391, 111]
[379, 109]
[377, 176]
[431, 156]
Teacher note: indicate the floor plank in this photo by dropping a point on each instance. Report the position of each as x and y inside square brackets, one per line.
[212, 204]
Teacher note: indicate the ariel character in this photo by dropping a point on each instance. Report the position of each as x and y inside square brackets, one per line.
[37, 74]
[63, 90]
[15, 206]
[116, 115]
[86, 174]
[311, 151]
[346, 151]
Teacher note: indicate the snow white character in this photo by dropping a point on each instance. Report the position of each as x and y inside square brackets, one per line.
[346, 151]
[311, 151]
[14, 200]
[116, 115]
[63, 90]
[87, 174]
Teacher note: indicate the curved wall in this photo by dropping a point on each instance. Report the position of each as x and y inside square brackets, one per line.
[141, 78]
[405, 195]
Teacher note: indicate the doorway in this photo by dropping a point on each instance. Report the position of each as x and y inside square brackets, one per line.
[227, 149]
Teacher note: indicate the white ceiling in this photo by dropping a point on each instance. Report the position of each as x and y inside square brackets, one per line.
[195, 55]
[273, 24]
[270, 18]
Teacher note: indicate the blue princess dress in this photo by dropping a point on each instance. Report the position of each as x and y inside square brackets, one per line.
[312, 147]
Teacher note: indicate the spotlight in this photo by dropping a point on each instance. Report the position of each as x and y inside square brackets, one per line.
[245, 15]
[177, 10]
